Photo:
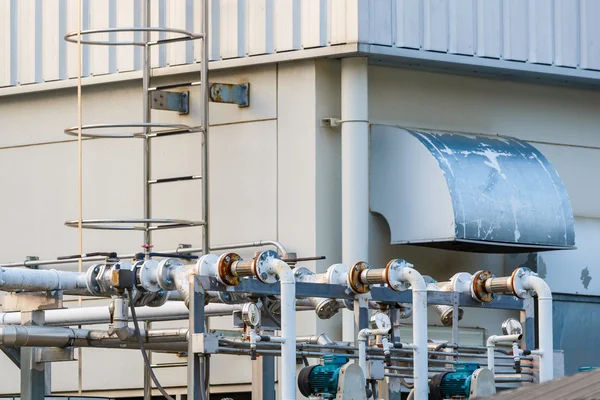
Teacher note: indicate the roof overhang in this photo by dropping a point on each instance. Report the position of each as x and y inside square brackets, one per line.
[487, 194]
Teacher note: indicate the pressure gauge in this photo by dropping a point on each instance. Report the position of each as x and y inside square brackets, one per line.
[251, 314]
[381, 321]
[512, 327]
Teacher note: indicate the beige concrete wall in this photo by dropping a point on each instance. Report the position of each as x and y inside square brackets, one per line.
[275, 174]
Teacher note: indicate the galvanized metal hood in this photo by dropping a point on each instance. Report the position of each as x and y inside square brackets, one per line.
[467, 192]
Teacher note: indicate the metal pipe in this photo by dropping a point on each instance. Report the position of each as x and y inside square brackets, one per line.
[355, 170]
[546, 344]
[321, 339]
[205, 128]
[42, 280]
[491, 343]
[100, 315]
[181, 250]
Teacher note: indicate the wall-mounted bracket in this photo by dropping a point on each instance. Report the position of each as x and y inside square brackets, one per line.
[170, 101]
[230, 93]
[54, 354]
[13, 353]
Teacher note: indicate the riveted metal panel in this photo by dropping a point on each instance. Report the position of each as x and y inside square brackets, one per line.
[409, 23]
[337, 21]
[515, 30]
[380, 22]
[124, 19]
[99, 13]
[489, 28]
[27, 37]
[5, 43]
[314, 23]
[260, 27]
[461, 31]
[435, 25]
[287, 25]
[566, 32]
[541, 15]
[51, 39]
[590, 34]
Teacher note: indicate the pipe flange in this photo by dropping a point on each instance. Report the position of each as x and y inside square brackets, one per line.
[459, 282]
[515, 282]
[337, 274]
[393, 271]
[354, 281]
[163, 273]
[478, 286]
[224, 273]
[447, 315]
[327, 308]
[261, 268]
[159, 299]
[92, 279]
[148, 276]
[304, 274]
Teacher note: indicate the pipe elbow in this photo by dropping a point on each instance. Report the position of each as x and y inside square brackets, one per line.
[283, 270]
[533, 282]
[400, 271]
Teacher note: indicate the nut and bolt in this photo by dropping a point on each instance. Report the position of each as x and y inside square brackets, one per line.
[263, 275]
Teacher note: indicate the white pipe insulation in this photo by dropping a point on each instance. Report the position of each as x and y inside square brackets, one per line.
[100, 315]
[355, 170]
[491, 345]
[287, 281]
[546, 341]
[31, 280]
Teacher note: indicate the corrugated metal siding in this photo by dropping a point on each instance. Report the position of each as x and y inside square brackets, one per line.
[561, 33]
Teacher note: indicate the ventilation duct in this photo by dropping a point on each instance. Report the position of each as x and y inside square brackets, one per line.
[486, 194]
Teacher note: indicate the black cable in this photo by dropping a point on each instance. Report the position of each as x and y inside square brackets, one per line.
[270, 314]
[138, 334]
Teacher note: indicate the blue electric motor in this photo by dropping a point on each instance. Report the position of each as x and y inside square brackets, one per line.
[455, 384]
[321, 380]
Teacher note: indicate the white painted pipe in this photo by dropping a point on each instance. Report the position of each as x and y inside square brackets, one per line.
[355, 170]
[288, 326]
[419, 297]
[546, 344]
[100, 315]
[491, 344]
[363, 336]
[32, 280]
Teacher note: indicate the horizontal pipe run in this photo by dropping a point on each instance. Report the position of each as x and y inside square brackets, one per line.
[34, 263]
[170, 311]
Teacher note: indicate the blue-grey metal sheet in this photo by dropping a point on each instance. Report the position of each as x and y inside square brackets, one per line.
[504, 193]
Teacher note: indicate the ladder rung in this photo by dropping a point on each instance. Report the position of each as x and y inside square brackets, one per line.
[175, 132]
[175, 179]
[173, 86]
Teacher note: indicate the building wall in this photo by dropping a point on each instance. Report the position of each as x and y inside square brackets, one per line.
[275, 174]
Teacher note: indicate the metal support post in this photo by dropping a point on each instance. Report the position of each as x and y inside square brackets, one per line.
[394, 388]
[205, 122]
[528, 322]
[263, 376]
[35, 377]
[196, 378]
[361, 313]
[455, 315]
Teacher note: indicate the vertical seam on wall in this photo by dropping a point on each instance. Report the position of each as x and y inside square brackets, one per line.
[215, 34]
[323, 20]
[13, 42]
[62, 44]
[270, 27]
[137, 36]
[242, 28]
[85, 22]
[162, 23]
[112, 36]
[39, 30]
[189, 26]
[277, 151]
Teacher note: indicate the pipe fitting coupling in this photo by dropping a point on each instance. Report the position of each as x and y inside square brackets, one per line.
[357, 285]
[512, 285]
[478, 287]
[260, 267]
[229, 269]
[393, 274]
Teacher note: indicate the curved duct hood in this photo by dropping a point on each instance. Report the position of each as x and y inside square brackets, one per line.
[485, 194]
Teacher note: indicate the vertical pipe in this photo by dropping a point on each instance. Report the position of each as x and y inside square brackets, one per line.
[146, 118]
[546, 340]
[195, 368]
[419, 297]
[355, 163]
[79, 178]
[205, 122]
